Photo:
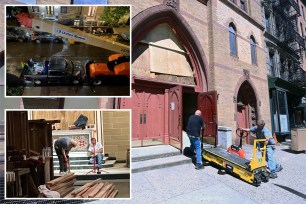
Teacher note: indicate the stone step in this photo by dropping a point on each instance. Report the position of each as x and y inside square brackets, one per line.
[159, 163]
[107, 164]
[153, 152]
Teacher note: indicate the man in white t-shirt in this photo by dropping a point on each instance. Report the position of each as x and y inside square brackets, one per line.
[96, 151]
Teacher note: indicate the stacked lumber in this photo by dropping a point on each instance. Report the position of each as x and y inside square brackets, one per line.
[94, 189]
[63, 185]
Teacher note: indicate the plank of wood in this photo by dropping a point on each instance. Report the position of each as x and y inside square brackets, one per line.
[85, 195]
[66, 191]
[96, 190]
[107, 194]
[85, 186]
[104, 191]
[66, 184]
[113, 194]
[79, 195]
[60, 179]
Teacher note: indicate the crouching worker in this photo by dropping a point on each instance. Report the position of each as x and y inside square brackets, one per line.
[62, 147]
[96, 152]
[264, 133]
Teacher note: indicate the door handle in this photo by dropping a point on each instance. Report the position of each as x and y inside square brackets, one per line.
[140, 118]
[144, 118]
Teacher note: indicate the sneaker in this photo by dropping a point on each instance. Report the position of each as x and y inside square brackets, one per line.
[273, 175]
[62, 173]
[199, 167]
[279, 168]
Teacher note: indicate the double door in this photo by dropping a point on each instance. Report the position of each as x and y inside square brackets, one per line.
[148, 119]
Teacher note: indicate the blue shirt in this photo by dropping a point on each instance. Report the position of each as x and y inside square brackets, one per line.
[262, 134]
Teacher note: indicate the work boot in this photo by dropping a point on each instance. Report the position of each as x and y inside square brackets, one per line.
[199, 167]
[279, 168]
[273, 175]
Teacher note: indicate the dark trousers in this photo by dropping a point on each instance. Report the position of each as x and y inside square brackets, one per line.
[61, 159]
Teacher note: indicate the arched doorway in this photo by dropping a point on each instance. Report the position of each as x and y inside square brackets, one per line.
[168, 61]
[247, 112]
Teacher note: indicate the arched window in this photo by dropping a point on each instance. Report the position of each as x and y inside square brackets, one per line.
[253, 52]
[232, 39]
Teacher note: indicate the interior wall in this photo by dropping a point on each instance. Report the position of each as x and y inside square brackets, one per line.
[116, 132]
[66, 117]
[190, 105]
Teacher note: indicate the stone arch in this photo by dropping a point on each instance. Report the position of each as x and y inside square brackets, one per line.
[146, 20]
[240, 82]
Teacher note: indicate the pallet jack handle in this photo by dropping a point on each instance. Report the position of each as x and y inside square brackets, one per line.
[258, 162]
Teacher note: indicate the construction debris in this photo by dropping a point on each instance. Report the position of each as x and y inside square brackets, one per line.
[94, 189]
[63, 185]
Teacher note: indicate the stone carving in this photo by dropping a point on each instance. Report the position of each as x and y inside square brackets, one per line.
[173, 3]
[235, 99]
[246, 74]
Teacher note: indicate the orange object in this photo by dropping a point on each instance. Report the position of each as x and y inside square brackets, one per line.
[275, 139]
[239, 152]
[103, 69]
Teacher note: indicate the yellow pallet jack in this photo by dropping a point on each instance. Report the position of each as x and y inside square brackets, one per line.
[252, 171]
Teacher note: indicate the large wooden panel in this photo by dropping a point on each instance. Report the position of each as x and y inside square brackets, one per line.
[175, 116]
[66, 117]
[17, 130]
[207, 104]
[153, 118]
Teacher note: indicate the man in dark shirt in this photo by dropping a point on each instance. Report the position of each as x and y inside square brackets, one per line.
[194, 127]
[62, 147]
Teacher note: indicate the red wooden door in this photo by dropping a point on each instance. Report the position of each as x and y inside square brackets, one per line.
[243, 120]
[136, 104]
[242, 117]
[147, 106]
[153, 114]
[207, 104]
[175, 116]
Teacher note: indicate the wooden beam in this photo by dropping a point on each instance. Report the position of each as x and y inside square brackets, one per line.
[113, 194]
[66, 191]
[60, 179]
[104, 191]
[85, 186]
[96, 191]
[66, 184]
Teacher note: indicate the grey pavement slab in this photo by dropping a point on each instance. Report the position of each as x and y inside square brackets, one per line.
[159, 163]
[159, 151]
[184, 184]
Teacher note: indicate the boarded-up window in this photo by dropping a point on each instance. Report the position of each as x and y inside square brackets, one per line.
[232, 39]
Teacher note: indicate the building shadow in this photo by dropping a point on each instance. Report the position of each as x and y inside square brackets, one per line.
[292, 191]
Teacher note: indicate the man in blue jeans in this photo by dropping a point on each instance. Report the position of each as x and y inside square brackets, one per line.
[96, 152]
[263, 133]
[194, 127]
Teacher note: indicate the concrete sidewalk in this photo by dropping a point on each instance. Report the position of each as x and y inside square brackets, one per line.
[184, 184]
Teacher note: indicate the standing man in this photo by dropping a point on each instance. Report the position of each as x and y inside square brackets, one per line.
[264, 133]
[194, 127]
[96, 152]
[62, 147]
